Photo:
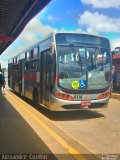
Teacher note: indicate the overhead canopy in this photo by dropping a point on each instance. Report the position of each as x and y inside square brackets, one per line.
[14, 15]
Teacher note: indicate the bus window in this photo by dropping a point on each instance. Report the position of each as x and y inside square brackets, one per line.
[27, 65]
[15, 67]
[22, 56]
[35, 53]
[27, 56]
[34, 64]
[14, 60]
[31, 54]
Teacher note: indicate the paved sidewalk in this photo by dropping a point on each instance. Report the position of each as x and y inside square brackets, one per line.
[115, 94]
[16, 135]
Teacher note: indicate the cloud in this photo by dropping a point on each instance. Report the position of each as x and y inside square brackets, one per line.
[115, 43]
[95, 22]
[51, 18]
[31, 34]
[102, 3]
[34, 28]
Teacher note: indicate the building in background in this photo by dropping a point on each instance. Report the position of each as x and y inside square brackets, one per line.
[116, 64]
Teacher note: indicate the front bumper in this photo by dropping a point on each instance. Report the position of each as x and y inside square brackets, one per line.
[65, 105]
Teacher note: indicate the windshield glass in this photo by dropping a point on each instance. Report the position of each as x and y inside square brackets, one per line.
[83, 68]
[72, 66]
[98, 61]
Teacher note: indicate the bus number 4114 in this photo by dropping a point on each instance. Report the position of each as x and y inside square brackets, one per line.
[78, 96]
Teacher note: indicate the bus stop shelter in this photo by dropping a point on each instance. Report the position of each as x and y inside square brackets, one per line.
[14, 15]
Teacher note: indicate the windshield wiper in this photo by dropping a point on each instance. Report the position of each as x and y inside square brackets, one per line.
[96, 53]
[74, 50]
[94, 59]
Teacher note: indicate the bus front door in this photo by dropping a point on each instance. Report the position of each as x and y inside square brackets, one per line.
[44, 80]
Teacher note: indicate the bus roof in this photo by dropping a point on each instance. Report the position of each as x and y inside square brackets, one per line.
[54, 33]
[78, 32]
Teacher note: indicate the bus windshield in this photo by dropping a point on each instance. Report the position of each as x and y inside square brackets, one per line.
[83, 67]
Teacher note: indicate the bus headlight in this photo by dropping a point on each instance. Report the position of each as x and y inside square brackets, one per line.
[64, 96]
[104, 95]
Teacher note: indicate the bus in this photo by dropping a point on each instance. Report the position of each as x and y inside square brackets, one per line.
[64, 71]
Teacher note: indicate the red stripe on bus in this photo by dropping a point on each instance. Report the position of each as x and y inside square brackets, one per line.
[30, 76]
[14, 75]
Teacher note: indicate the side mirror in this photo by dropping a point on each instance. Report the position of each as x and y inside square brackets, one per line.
[52, 47]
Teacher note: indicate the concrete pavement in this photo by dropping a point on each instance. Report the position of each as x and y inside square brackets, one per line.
[115, 94]
[16, 135]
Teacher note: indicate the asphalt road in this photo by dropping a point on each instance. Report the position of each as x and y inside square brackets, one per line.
[98, 130]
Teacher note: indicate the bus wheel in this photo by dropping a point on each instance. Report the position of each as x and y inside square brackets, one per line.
[35, 98]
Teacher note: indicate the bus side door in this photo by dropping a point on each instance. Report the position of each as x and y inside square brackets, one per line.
[21, 76]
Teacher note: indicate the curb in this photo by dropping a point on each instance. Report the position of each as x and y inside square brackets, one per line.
[115, 95]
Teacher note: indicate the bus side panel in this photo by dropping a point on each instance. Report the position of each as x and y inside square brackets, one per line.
[29, 83]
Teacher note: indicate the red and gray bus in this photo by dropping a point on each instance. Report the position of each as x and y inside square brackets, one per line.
[64, 71]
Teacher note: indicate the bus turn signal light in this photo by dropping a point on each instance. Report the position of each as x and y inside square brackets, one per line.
[104, 95]
[64, 96]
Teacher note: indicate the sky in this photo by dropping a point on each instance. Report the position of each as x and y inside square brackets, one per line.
[100, 17]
